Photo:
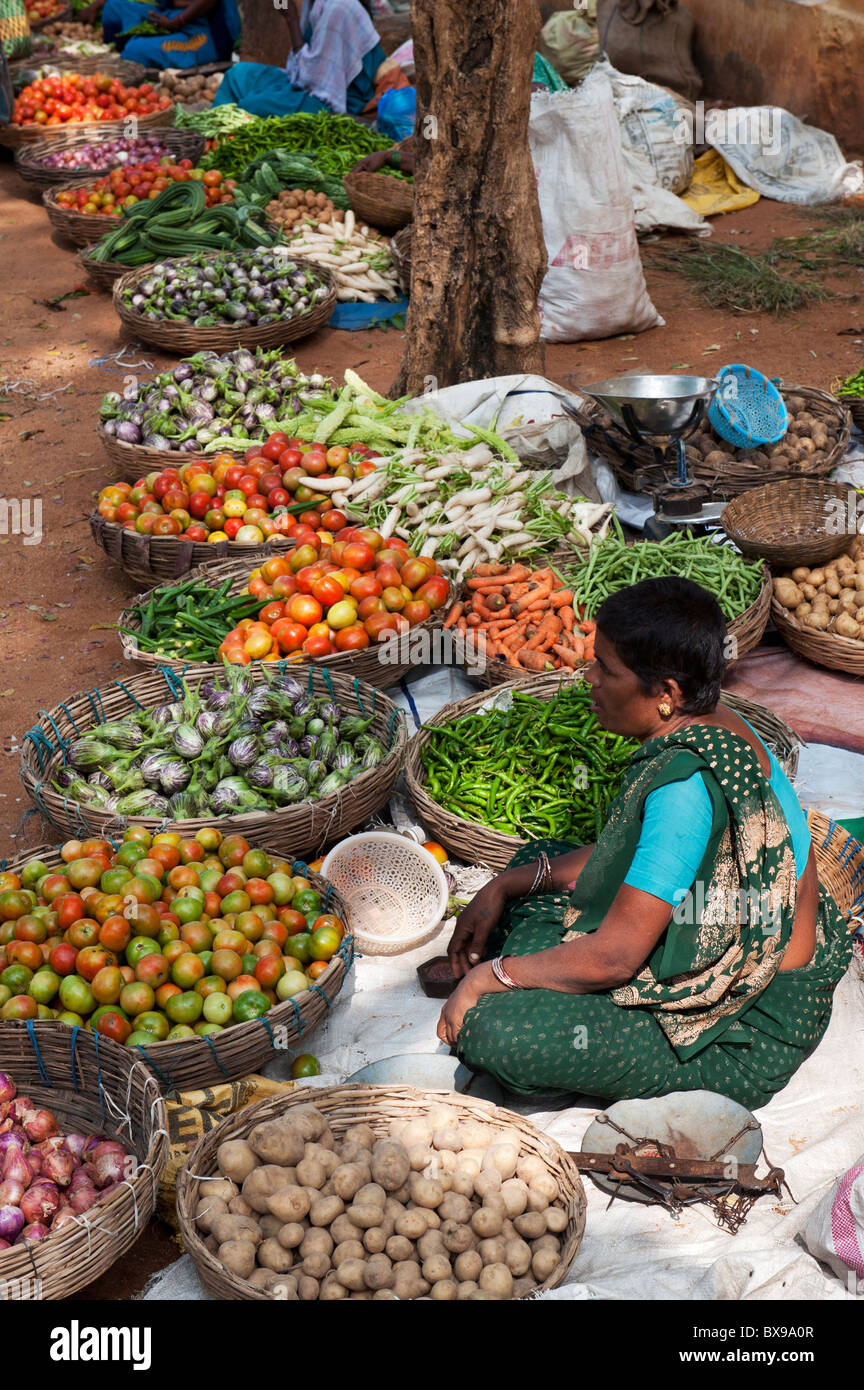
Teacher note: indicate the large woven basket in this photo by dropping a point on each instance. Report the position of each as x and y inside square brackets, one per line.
[151, 559]
[787, 523]
[183, 339]
[81, 228]
[824, 648]
[401, 248]
[474, 842]
[378, 1107]
[840, 864]
[103, 274]
[636, 467]
[243, 1047]
[292, 830]
[379, 199]
[14, 136]
[135, 461]
[183, 144]
[92, 1085]
[366, 665]
[855, 405]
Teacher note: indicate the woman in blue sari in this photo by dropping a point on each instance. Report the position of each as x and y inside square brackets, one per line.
[203, 31]
[332, 67]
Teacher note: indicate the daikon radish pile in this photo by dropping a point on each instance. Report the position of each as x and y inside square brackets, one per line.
[360, 259]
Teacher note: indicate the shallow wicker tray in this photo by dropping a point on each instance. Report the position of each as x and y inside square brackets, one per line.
[377, 1106]
[840, 864]
[636, 468]
[291, 830]
[183, 144]
[85, 1072]
[135, 461]
[242, 1048]
[14, 136]
[81, 228]
[184, 339]
[379, 199]
[103, 274]
[784, 523]
[475, 843]
[365, 665]
[149, 559]
[824, 648]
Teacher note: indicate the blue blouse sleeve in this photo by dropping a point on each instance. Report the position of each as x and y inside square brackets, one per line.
[676, 828]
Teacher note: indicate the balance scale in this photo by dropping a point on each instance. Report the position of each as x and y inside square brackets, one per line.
[662, 411]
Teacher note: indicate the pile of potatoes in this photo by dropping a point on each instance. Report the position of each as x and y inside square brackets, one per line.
[190, 88]
[438, 1210]
[807, 443]
[828, 598]
[296, 205]
[72, 29]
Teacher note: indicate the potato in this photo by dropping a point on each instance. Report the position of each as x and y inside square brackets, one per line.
[543, 1263]
[455, 1209]
[496, 1279]
[236, 1159]
[517, 1257]
[556, 1220]
[487, 1222]
[311, 1173]
[408, 1282]
[207, 1210]
[277, 1141]
[308, 1120]
[375, 1240]
[263, 1278]
[325, 1210]
[817, 578]
[524, 1286]
[378, 1273]
[269, 1225]
[465, 1290]
[537, 1200]
[399, 1248]
[801, 575]
[211, 1244]
[226, 1228]
[432, 1243]
[371, 1194]
[426, 1192]
[787, 593]
[831, 587]
[348, 1250]
[290, 1235]
[545, 1183]
[531, 1225]
[436, 1267]
[844, 565]
[402, 1195]
[717, 459]
[352, 1152]
[444, 1291]
[352, 1274]
[487, 1182]
[420, 1157]
[817, 619]
[332, 1291]
[508, 1230]
[307, 1289]
[380, 1295]
[390, 1164]
[226, 1190]
[416, 1134]
[802, 610]
[433, 1220]
[468, 1265]
[262, 1182]
[515, 1195]
[471, 1160]
[462, 1181]
[448, 1137]
[316, 1241]
[457, 1236]
[846, 626]
[363, 1135]
[349, 1178]
[808, 591]
[238, 1257]
[364, 1215]
[493, 1251]
[546, 1242]
[289, 1203]
[274, 1256]
[316, 1265]
[412, 1224]
[503, 1157]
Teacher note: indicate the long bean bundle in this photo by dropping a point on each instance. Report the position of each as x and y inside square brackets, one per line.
[542, 768]
[612, 564]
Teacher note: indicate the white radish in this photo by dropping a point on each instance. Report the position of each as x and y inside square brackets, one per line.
[389, 525]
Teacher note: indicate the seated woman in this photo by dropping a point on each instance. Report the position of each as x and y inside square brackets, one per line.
[692, 947]
[333, 67]
[204, 31]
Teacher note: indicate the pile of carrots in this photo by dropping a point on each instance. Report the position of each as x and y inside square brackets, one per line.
[524, 617]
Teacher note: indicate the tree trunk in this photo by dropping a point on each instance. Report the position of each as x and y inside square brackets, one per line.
[477, 253]
[265, 36]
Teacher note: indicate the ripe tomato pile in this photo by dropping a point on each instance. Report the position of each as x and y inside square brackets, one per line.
[43, 9]
[220, 499]
[160, 939]
[335, 596]
[130, 184]
[70, 96]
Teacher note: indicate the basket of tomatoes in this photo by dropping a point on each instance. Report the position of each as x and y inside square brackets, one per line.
[72, 158]
[42, 12]
[204, 955]
[356, 604]
[82, 212]
[66, 101]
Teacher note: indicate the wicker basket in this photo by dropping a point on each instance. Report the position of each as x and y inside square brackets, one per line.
[243, 1047]
[81, 228]
[785, 522]
[379, 199]
[824, 648]
[103, 274]
[151, 559]
[183, 144]
[93, 1086]
[14, 136]
[855, 405]
[636, 467]
[184, 339]
[476, 843]
[840, 864]
[365, 665]
[135, 461]
[401, 248]
[379, 1107]
[291, 830]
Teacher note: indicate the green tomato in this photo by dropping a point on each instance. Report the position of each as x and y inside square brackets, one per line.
[283, 888]
[249, 963]
[141, 946]
[252, 1003]
[107, 1009]
[129, 853]
[305, 1065]
[307, 901]
[204, 1030]
[140, 1038]
[205, 958]
[45, 1012]
[113, 879]
[74, 1020]
[170, 932]
[257, 863]
[235, 902]
[44, 985]
[5, 993]
[185, 1007]
[154, 1024]
[209, 879]
[218, 1008]
[291, 983]
[32, 872]
[188, 909]
[76, 994]
[17, 977]
[298, 946]
[180, 1032]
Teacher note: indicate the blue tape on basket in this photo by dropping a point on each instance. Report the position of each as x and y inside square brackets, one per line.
[43, 1075]
[393, 718]
[99, 1077]
[166, 1080]
[415, 713]
[68, 714]
[76, 1029]
[319, 990]
[38, 739]
[328, 895]
[174, 686]
[216, 1058]
[310, 683]
[328, 682]
[374, 700]
[269, 1027]
[61, 741]
[356, 685]
[298, 1017]
[95, 698]
[127, 691]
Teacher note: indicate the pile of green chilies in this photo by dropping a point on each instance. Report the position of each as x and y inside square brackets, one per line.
[188, 621]
[852, 386]
[541, 769]
[337, 143]
[612, 564]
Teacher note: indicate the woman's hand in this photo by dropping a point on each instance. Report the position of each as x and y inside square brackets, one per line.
[476, 983]
[163, 20]
[373, 162]
[474, 925]
[91, 14]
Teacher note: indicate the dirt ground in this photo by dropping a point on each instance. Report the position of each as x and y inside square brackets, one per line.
[59, 599]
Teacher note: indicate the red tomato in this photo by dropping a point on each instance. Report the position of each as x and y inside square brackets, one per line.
[305, 609]
[289, 635]
[435, 592]
[358, 555]
[328, 591]
[351, 639]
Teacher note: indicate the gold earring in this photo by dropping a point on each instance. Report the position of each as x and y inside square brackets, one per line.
[664, 709]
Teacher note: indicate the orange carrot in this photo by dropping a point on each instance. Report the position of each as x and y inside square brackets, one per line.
[569, 658]
[454, 615]
[568, 619]
[587, 625]
[532, 661]
[473, 620]
[530, 602]
[462, 625]
[487, 571]
[562, 598]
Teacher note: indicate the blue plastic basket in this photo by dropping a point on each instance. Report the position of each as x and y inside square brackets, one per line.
[747, 409]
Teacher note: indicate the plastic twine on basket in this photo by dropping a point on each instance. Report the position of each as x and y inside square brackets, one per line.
[43, 1075]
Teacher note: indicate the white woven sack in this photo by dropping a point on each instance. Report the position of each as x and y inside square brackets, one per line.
[835, 1232]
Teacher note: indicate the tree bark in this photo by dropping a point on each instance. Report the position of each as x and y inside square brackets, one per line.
[477, 254]
[265, 36]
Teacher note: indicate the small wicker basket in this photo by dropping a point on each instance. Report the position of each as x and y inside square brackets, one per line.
[135, 461]
[14, 136]
[148, 560]
[92, 1085]
[380, 199]
[182, 144]
[824, 648]
[379, 1107]
[840, 864]
[787, 523]
[103, 274]
[81, 228]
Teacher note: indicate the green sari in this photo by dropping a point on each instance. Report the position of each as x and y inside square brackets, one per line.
[709, 1009]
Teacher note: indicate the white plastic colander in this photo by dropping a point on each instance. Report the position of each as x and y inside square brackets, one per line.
[394, 891]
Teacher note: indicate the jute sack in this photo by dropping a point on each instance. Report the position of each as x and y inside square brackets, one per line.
[651, 39]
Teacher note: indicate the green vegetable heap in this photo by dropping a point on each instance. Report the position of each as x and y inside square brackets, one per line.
[337, 143]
